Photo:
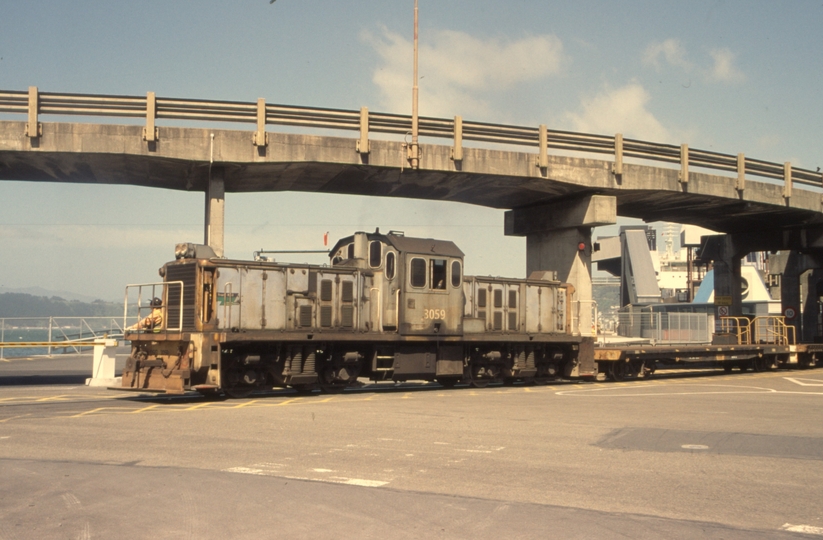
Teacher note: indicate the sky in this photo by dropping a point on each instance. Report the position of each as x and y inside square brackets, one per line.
[728, 76]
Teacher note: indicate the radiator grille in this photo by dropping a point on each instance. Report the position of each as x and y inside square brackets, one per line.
[481, 298]
[498, 321]
[512, 321]
[498, 298]
[187, 273]
[512, 299]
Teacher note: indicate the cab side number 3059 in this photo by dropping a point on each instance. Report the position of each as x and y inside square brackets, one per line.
[434, 314]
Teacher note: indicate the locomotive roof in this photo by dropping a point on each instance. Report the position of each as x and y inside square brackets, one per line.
[405, 244]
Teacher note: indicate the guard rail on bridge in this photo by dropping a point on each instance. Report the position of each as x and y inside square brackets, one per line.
[34, 103]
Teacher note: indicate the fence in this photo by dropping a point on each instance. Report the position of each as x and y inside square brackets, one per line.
[24, 336]
[34, 103]
[665, 327]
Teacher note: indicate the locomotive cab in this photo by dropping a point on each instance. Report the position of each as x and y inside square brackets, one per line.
[418, 281]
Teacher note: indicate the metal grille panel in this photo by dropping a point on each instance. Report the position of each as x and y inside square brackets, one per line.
[347, 293]
[481, 298]
[325, 316]
[187, 273]
[325, 290]
[304, 318]
[513, 321]
[347, 316]
[498, 320]
[498, 298]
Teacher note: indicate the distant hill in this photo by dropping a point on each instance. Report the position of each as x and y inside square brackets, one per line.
[28, 305]
[40, 291]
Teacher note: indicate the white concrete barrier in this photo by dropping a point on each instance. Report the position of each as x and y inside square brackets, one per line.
[102, 373]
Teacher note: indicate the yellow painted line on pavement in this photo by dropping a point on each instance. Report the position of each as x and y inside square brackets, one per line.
[144, 409]
[13, 417]
[246, 404]
[85, 413]
[53, 398]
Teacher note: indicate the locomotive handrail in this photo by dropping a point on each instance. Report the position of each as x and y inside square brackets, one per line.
[164, 286]
[35, 103]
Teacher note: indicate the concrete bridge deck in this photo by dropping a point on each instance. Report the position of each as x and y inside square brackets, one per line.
[184, 159]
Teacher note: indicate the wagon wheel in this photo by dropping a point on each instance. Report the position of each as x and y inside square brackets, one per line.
[618, 371]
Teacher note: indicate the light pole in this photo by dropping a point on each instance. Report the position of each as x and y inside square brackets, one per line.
[414, 148]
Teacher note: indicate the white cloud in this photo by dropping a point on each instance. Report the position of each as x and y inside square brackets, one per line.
[723, 69]
[671, 51]
[619, 110]
[458, 71]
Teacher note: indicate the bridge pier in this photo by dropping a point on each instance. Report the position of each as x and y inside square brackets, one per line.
[559, 240]
[728, 286]
[215, 211]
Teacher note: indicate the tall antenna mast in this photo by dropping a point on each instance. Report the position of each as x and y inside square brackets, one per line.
[414, 149]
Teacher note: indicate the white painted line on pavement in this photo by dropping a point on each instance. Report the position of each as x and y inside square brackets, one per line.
[332, 480]
[807, 529]
[816, 382]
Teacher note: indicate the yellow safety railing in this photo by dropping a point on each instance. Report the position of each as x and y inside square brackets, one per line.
[773, 329]
[738, 327]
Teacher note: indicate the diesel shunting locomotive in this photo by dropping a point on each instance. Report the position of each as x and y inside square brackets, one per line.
[386, 307]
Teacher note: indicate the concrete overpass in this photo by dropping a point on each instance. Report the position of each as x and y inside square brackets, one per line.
[553, 199]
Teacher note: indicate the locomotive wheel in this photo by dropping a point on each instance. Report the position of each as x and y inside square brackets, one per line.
[480, 383]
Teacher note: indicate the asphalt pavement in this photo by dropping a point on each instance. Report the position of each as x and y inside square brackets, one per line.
[677, 456]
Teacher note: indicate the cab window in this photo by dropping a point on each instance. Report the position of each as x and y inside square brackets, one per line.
[375, 254]
[350, 252]
[390, 265]
[438, 273]
[456, 274]
[417, 274]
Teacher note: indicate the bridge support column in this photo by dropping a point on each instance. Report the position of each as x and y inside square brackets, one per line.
[801, 291]
[215, 211]
[558, 240]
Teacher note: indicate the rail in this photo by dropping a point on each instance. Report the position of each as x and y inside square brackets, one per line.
[34, 103]
[44, 334]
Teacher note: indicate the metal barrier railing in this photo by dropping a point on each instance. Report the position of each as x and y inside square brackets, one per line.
[34, 103]
[665, 327]
[737, 327]
[38, 335]
[144, 308]
[770, 329]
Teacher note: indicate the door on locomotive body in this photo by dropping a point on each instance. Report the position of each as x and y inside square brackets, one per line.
[503, 305]
[383, 261]
[432, 297]
[228, 297]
